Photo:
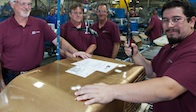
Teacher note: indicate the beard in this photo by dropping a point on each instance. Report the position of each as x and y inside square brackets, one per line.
[25, 13]
[173, 40]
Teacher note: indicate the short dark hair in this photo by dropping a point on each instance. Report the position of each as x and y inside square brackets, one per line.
[102, 4]
[75, 5]
[188, 10]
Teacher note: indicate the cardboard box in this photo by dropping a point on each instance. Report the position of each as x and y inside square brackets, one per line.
[137, 40]
[123, 38]
[143, 36]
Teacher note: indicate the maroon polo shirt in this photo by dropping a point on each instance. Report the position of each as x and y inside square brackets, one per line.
[77, 37]
[22, 48]
[156, 30]
[178, 63]
[108, 35]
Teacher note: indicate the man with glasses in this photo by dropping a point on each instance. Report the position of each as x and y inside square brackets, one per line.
[22, 42]
[75, 31]
[172, 71]
[108, 41]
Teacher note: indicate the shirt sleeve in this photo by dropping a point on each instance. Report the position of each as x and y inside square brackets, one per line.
[1, 43]
[93, 40]
[152, 22]
[49, 34]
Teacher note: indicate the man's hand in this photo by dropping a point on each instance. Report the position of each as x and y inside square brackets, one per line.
[128, 49]
[97, 93]
[81, 54]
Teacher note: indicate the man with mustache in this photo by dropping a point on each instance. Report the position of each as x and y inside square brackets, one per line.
[172, 71]
[108, 41]
[74, 31]
[22, 40]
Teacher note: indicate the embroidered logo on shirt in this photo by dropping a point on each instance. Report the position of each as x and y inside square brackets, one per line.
[170, 61]
[35, 32]
[104, 31]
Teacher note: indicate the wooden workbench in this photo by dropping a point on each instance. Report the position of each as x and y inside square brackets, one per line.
[48, 88]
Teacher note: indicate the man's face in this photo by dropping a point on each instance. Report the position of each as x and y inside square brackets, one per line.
[52, 11]
[76, 15]
[175, 25]
[102, 12]
[22, 8]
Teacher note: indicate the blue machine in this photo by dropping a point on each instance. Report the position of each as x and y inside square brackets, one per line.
[134, 26]
[119, 12]
[121, 20]
[119, 17]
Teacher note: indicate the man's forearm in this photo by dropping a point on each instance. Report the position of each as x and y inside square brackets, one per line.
[66, 46]
[140, 60]
[148, 29]
[91, 49]
[159, 89]
[2, 84]
[115, 50]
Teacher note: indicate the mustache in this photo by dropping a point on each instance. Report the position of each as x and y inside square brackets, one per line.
[172, 29]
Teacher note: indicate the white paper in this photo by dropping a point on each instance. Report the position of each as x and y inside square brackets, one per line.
[86, 67]
[97, 65]
[80, 71]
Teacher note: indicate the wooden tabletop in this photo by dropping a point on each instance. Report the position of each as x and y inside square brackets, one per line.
[48, 88]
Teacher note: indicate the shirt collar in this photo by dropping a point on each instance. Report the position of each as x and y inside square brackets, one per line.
[15, 23]
[72, 26]
[105, 25]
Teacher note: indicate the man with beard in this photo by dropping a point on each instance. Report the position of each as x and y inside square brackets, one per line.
[22, 40]
[172, 71]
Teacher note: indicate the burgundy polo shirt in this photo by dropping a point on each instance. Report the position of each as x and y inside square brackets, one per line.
[108, 35]
[156, 30]
[77, 37]
[22, 48]
[178, 63]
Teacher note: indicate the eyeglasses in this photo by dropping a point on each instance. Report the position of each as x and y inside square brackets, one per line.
[102, 11]
[22, 4]
[77, 13]
[174, 20]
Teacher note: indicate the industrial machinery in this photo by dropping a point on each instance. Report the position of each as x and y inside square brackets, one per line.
[6, 11]
[39, 10]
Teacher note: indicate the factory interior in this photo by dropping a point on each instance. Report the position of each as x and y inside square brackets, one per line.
[118, 14]
[133, 25]
[118, 9]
